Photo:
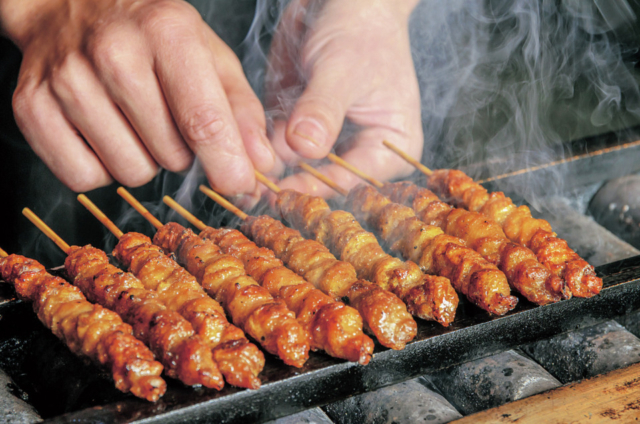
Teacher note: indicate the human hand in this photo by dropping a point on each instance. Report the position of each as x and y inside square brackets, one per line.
[145, 82]
[352, 60]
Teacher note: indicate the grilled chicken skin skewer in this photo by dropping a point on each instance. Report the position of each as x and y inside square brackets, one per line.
[524, 273]
[520, 227]
[428, 297]
[473, 276]
[87, 329]
[168, 334]
[250, 305]
[383, 313]
[238, 360]
[333, 326]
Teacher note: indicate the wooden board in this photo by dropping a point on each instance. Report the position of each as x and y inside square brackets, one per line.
[611, 397]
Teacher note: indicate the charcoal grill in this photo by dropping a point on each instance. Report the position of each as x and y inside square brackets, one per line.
[65, 389]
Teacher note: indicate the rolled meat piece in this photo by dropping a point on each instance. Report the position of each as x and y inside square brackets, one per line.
[426, 296]
[87, 329]
[383, 313]
[265, 319]
[334, 327]
[239, 360]
[520, 227]
[482, 234]
[171, 338]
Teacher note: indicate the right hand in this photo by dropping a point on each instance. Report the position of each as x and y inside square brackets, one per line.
[145, 83]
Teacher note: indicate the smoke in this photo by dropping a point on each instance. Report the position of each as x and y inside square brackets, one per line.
[508, 83]
[504, 83]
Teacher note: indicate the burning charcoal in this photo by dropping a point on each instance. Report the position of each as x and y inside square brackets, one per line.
[312, 416]
[493, 381]
[590, 240]
[586, 352]
[13, 408]
[407, 402]
[616, 206]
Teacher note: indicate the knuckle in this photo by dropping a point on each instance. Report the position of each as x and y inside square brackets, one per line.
[204, 126]
[170, 15]
[86, 179]
[22, 101]
[179, 161]
[138, 176]
[106, 50]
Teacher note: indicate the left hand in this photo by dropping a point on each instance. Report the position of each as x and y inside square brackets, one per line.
[352, 60]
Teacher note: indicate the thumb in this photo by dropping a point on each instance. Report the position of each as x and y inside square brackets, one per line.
[318, 115]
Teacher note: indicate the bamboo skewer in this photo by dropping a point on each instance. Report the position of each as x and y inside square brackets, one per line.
[46, 229]
[138, 207]
[100, 216]
[408, 158]
[266, 181]
[3, 254]
[339, 161]
[227, 204]
[184, 213]
[332, 184]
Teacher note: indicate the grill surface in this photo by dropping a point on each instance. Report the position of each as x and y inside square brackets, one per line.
[57, 381]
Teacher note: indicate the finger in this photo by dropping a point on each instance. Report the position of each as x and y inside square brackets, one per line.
[87, 106]
[370, 157]
[126, 68]
[187, 73]
[56, 141]
[245, 106]
[319, 113]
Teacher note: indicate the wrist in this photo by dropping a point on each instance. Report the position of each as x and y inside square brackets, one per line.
[17, 16]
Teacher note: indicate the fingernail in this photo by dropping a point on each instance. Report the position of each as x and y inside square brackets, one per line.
[312, 131]
[267, 143]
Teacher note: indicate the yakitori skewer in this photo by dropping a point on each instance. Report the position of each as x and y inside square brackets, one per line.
[170, 337]
[383, 313]
[238, 360]
[483, 235]
[518, 225]
[250, 305]
[334, 327]
[87, 329]
[426, 296]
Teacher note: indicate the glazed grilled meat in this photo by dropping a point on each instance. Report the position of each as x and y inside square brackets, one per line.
[436, 253]
[239, 361]
[384, 315]
[524, 273]
[428, 297]
[170, 337]
[334, 327]
[521, 228]
[87, 329]
[251, 306]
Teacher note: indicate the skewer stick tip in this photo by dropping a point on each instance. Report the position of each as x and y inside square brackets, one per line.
[343, 163]
[3, 254]
[184, 213]
[332, 184]
[100, 216]
[224, 202]
[35, 220]
[128, 197]
[267, 182]
[408, 158]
